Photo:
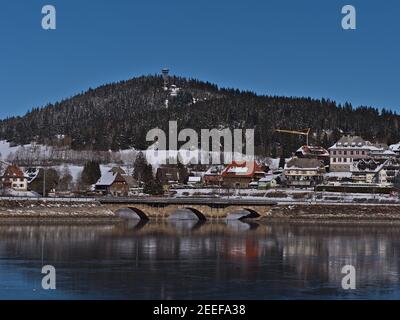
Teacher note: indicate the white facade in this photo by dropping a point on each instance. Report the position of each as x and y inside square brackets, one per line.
[346, 150]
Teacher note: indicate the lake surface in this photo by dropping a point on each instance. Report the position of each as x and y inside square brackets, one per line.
[185, 259]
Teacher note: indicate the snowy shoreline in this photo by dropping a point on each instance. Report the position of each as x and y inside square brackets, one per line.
[52, 209]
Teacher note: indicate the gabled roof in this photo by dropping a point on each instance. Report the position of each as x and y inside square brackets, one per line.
[350, 141]
[13, 171]
[395, 147]
[107, 179]
[366, 165]
[214, 170]
[313, 151]
[304, 163]
[248, 168]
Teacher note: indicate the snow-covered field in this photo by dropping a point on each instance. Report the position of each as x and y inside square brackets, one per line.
[37, 154]
[6, 149]
[35, 151]
[8, 153]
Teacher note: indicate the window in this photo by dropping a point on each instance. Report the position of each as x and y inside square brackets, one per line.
[352, 152]
[344, 159]
[334, 160]
[345, 153]
[334, 152]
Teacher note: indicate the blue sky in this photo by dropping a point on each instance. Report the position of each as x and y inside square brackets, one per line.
[282, 47]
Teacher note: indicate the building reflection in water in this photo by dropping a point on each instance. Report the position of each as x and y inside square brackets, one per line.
[190, 259]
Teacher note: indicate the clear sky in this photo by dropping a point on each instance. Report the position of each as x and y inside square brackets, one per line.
[282, 47]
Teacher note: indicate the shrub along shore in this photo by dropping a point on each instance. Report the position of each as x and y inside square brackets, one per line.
[335, 212]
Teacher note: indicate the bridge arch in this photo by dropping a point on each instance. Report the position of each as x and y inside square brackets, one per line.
[243, 213]
[252, 214]
[198, 214]
[135, 212]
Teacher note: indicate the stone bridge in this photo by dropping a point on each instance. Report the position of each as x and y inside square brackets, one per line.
[203, 208]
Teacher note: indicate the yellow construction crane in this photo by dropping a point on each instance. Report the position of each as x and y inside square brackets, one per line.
[304, 132]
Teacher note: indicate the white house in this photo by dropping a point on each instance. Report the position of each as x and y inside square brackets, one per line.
[269, 181]
[302, 172]
[192, 181]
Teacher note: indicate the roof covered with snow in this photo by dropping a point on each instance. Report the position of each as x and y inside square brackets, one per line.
[304, 163]
[215, 170]
[312, 151]
[338, 175]
[350, 141]
[107, 179]
[247, 168]
[269, 178]
[395, 147]
[366, 165]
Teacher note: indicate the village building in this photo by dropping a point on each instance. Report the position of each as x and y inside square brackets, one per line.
[392, 168]
[168, 175]
[269, 181]
[14, 178]
[213, 176]
[347, 150]
[368, 171]
[302, 172]
[240, 175]
[385, 172]
[382, 154]
[313, 152]
[194, 181]
[112, 183]
[395, 148]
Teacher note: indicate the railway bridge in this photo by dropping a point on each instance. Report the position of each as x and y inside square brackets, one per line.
[203, 208]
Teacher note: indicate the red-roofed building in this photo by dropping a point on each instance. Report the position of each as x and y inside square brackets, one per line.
[239, 175]
[313, 152]
[14, 178]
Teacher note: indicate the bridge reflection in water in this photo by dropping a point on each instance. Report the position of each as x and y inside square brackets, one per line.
[185, 214]
[189, 259]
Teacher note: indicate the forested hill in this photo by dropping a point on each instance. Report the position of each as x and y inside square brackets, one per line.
[118, 116]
